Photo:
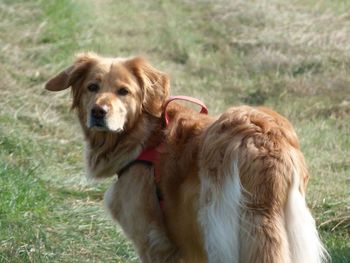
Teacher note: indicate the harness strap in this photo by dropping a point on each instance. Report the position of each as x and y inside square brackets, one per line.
[204, 108]
[150, 155]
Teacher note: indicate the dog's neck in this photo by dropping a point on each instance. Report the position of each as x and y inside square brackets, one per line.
[109, 152]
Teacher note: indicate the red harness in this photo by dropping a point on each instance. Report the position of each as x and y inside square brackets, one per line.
[150, 155]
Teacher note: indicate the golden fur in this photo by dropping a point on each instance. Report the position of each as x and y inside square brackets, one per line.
[254, 149]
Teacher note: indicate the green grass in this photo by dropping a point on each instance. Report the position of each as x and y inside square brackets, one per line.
[289, 55]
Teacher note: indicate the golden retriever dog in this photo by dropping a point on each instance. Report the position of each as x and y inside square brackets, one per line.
[233, 186]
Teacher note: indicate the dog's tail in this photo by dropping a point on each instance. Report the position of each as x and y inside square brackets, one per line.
[304, 243]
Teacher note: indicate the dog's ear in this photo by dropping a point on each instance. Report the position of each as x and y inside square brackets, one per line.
[72, 74]
[154, 85]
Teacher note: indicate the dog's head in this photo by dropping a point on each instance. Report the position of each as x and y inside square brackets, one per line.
[111, 93]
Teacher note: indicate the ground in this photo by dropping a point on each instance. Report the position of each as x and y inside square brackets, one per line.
[293, 56]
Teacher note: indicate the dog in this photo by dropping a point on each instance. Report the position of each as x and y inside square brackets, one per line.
[233, 186]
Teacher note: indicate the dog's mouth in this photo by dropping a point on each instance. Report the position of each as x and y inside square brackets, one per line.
[100, 124]
[97, 124]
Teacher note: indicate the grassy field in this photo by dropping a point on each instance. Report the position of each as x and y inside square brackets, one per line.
[293, 56]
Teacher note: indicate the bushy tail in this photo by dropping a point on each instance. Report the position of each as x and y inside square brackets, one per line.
[304, 243]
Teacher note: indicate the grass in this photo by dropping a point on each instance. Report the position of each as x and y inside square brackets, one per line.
[292, 56]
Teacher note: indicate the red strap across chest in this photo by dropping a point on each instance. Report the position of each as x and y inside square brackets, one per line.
[148, 155]
[151, 155]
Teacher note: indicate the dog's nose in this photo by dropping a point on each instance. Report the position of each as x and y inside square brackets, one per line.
[99, 111]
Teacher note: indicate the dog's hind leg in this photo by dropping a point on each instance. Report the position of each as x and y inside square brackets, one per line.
[219, 215]
[263, 239]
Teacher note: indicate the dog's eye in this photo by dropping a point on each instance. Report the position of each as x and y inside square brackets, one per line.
[93, 87]
[123, 91]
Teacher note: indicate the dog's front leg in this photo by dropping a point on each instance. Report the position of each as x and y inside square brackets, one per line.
[132, 202]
